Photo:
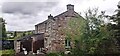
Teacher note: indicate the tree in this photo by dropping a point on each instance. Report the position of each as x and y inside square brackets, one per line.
[3, 27]
[114, 28]
[0, 27]
[98, 36]
[15, 34]
[23, 34]
[93, 32]
[90, 34]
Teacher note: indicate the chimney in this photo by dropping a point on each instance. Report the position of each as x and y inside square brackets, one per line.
[118, 5]
[50, 17]
[70, 7]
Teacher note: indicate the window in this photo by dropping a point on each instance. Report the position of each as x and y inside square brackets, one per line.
[67, 43]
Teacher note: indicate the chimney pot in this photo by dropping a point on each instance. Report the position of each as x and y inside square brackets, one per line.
[50, 17]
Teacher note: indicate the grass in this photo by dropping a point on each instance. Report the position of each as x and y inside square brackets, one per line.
[7, 52]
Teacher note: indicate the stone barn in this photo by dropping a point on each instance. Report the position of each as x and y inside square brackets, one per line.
[31, 43]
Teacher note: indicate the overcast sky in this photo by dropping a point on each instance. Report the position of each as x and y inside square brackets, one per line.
[21, 15]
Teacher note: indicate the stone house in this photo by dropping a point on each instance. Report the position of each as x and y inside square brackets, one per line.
[49, 35]
[54, 36]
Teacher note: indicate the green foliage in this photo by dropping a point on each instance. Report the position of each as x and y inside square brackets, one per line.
[97, 34]
[22, 33]
[75, 26]
[8, 52]
[115, 29]
[75, 32]
[15, 34]
[2, 23]
[90, 35]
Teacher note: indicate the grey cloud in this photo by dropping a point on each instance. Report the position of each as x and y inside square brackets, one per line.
[22, 28]
[27, 7]
[24, 15]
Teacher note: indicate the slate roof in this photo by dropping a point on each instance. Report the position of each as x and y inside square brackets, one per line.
[64, 14]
